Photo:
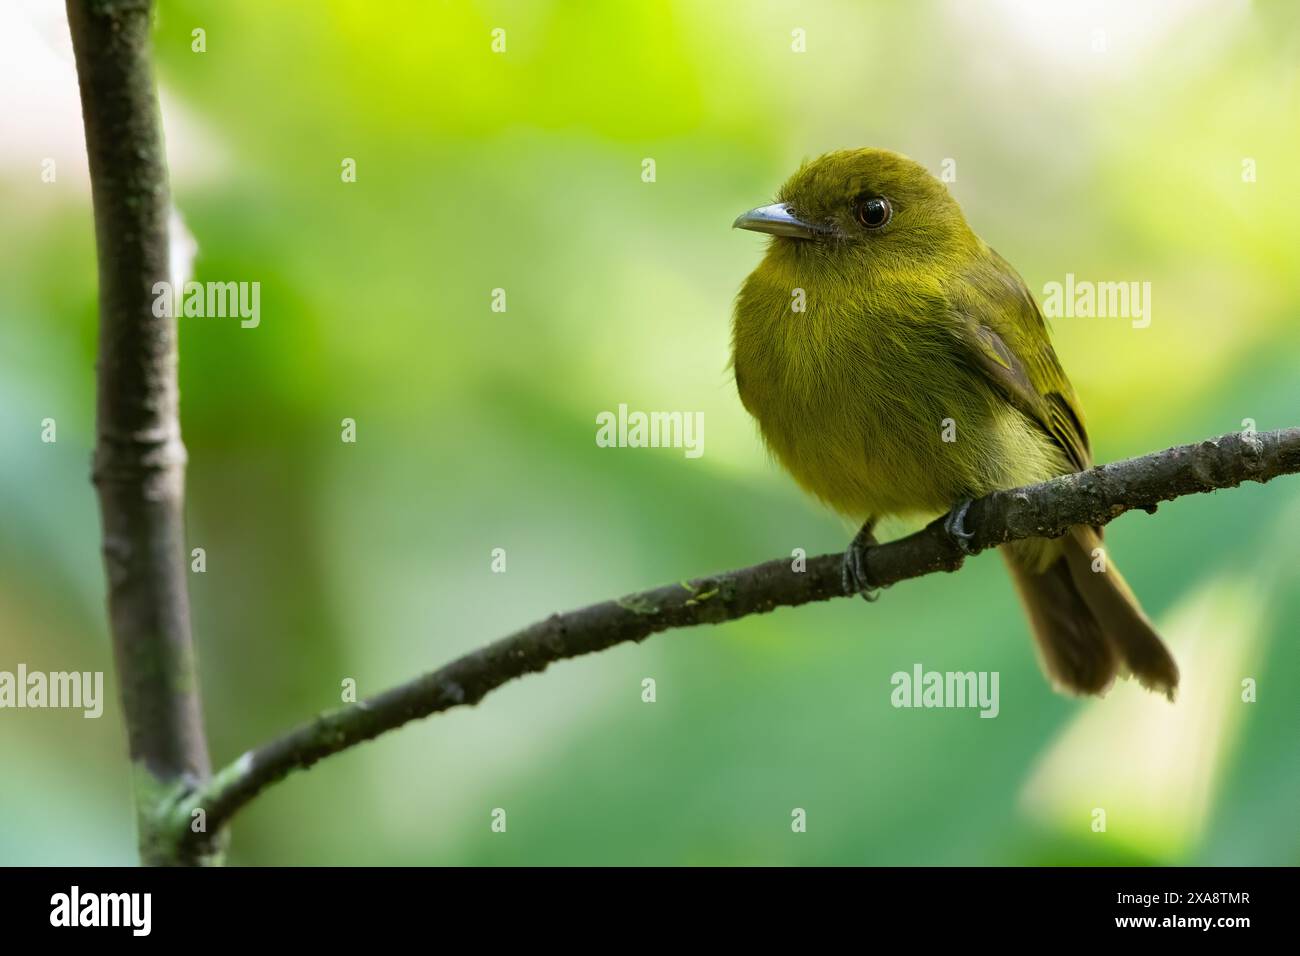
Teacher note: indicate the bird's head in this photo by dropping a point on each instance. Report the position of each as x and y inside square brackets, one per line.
[859, 206]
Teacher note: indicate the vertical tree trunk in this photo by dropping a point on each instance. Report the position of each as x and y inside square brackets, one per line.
[139, 459]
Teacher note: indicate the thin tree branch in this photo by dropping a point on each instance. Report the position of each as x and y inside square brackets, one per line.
[139, 458]
[1093, 497]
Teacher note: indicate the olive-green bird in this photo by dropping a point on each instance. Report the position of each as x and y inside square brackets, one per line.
[897, 365]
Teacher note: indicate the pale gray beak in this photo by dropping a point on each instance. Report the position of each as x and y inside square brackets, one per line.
[776, 220]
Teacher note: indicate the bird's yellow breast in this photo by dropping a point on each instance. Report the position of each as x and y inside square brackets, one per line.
[877, 413]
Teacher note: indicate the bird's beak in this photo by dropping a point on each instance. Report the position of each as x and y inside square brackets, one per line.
[777, 220]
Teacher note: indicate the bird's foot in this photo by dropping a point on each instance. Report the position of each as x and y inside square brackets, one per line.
[953, 524]
[854, 571]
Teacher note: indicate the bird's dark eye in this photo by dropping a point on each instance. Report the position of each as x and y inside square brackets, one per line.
[873, 212]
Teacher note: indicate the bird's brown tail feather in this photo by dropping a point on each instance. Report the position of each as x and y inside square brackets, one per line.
[1088, 625]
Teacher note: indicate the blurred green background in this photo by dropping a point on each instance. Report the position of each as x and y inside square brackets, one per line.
[1103, 139]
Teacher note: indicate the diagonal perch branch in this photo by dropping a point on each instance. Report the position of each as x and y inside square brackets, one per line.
[1093, 497]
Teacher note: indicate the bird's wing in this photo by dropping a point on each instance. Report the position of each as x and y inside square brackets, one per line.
[1002, 331]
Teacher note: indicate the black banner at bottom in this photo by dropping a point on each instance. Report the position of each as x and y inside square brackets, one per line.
[338, 905]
